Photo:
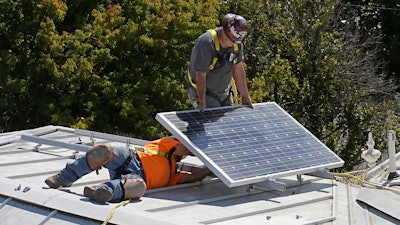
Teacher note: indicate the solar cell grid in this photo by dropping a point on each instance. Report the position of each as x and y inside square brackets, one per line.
[243, 145]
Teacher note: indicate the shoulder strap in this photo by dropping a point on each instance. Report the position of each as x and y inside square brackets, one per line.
[217, 48]
[216, 43]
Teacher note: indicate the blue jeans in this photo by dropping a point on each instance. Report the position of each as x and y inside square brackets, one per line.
[80, 167]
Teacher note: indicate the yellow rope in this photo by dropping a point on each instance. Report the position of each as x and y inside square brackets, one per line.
[343, 177]
[235, 92]
[348, 177]
[113, 211]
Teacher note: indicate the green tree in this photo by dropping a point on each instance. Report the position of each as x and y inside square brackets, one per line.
[382, 16]
[110, 69]
[116, 65]
[19, 24]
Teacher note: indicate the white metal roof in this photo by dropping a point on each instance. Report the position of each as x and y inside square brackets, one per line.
[26, 199]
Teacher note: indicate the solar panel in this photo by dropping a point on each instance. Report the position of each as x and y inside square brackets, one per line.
[242, 146]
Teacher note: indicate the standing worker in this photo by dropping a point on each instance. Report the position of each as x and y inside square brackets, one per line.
[216, 57]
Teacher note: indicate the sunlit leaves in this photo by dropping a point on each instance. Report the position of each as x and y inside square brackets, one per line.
[112, 66]
[54, 9]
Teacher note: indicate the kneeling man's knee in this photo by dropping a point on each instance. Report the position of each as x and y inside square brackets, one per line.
[133, 188]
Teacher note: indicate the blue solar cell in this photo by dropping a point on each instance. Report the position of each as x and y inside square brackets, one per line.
[243, 145]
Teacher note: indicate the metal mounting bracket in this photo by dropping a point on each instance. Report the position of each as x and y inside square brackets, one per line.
[45, 141]
[270, 183]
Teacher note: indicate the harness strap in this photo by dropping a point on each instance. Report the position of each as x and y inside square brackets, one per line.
[158, 152]
[217, 49]
[214, 61]
[234, 92]
[212, 66]
[193, 84]
[128, 160]
[211, 94]
[170, 162]
[152, 151]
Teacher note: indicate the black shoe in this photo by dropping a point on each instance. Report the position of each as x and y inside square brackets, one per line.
[98, 193]
[55, 181]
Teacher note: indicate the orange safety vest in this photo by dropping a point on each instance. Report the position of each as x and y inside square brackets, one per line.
[159, 163]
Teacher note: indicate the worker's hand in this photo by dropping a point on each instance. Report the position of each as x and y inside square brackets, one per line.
[202, 106]
[247, 101]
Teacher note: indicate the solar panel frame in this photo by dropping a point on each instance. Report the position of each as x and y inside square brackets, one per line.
[217, 136]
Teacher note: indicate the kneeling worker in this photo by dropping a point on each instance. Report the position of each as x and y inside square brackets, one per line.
[132, 171]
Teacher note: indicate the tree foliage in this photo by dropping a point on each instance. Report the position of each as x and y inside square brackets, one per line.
[110, 66]
[382, 16]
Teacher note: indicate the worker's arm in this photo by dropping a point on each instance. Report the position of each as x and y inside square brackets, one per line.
[196, 174]
[192, 173]
[201, 89]
[241, 83]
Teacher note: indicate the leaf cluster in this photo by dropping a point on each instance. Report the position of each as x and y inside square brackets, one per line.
[97, 65]
[110, 66]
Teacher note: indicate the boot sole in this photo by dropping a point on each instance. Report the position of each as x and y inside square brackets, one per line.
[51, 184]
[99, 195]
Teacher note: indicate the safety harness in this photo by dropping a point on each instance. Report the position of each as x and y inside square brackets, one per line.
[161, 153]
[132, 154]
[212, 66]
[152, 151]
[217, 49]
